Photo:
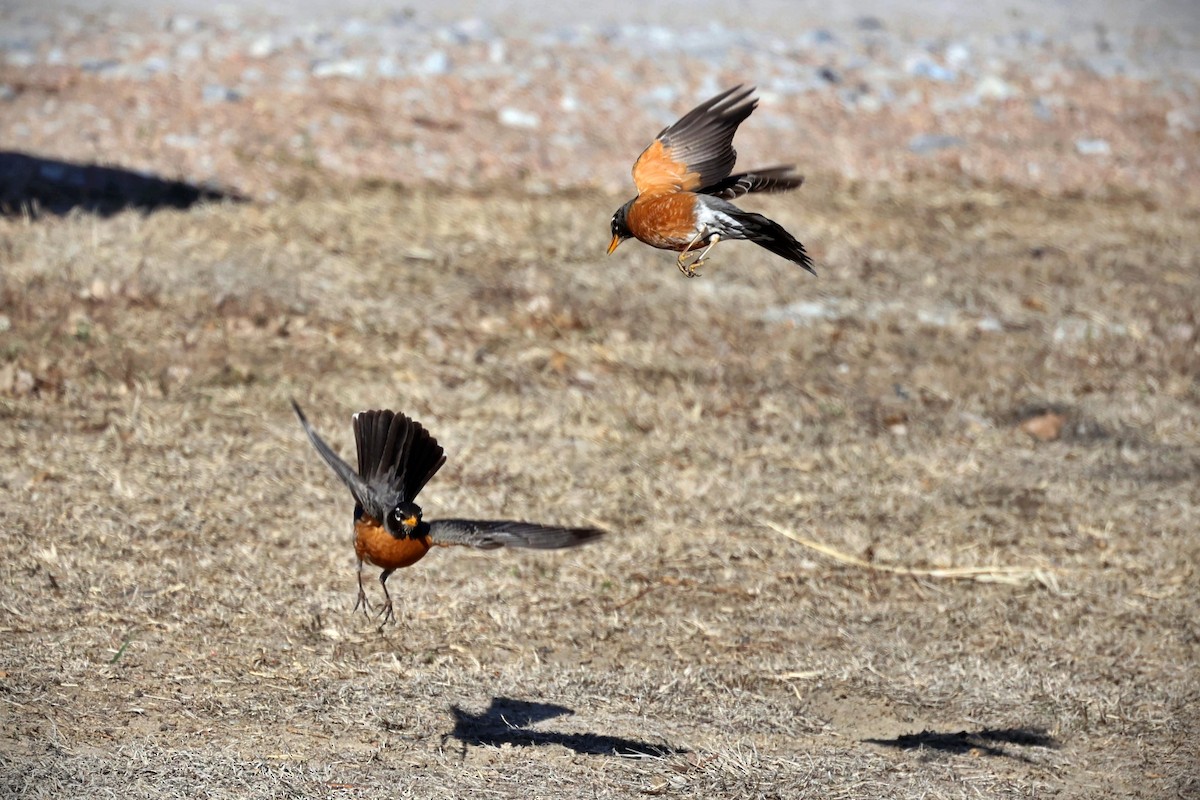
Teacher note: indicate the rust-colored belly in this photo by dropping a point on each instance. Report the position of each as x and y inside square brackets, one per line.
[375, 545]
[666, 221]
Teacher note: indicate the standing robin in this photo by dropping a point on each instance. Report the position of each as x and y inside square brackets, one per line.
[396, 458]
[684, 185]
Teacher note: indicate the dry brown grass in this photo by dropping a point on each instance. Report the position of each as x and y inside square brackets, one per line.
[176, 574]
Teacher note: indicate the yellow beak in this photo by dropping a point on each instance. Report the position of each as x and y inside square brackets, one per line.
[614, 244]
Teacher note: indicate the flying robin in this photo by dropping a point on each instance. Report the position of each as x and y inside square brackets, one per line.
[684, 185]
[396, 458]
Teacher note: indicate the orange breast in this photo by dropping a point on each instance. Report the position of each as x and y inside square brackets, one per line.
[666, 221]
[375, 545]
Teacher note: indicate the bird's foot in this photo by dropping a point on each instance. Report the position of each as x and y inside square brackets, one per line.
[386, 614]
[688, 268]
[362, 603]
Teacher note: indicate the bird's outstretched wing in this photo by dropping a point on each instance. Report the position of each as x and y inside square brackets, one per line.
[363, 495]
[488, 535]
[696, 151]
[771, 179]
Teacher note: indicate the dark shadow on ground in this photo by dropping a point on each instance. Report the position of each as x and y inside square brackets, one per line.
[34, 185]
[508, 721]
[989, 741]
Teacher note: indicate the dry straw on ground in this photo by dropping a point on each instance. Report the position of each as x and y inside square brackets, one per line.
[177, 574]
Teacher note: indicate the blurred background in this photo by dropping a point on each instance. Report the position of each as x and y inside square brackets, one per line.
[255, 97]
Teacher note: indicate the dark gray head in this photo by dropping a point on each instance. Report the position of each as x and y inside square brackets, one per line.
[620, 226]
[403, 520]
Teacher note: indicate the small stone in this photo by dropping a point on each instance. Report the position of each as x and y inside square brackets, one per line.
[23, 382]
[21, 58]
[1092, 147]
[829, 75]
[989, 325]
[182, 24]
[921, 66]
[958, 55]
[215, 93]
[155, 65]
[992, 87]
[262, 47]
[436, 63]
[924, 143]
[181, 141]
[516, 118]
[1180, 120]
[349, 68]
[190, 50]
[1044, 427]
[803, 312]
[99, 66]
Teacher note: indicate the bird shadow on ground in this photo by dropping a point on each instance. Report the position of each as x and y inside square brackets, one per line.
[33, 185]
[987, 741]
[509, 721]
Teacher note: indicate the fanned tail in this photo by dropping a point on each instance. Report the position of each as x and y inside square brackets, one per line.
[771, 235]
[396, 455]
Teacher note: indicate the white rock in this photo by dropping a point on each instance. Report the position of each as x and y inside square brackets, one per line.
[349, 68]
[436, 63]
[993, 87]
[516, 118]
[1092, 147]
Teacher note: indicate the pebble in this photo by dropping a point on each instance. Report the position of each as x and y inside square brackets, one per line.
[924, 143]
[803, 312]
[216, 93]
[516, 118]
[1092, 147]
[262, 46]
[350, 68]
[436, 63]
[993, 87]
[922, 66]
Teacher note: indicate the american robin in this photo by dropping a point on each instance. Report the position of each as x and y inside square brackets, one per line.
[684, 185]
[396, 458]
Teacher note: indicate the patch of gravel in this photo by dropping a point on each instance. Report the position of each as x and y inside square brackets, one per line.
[257, 102]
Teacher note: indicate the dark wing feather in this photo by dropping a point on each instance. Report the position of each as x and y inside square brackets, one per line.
[488, 535]
[363, 494]
[771, 179]
[396, 455]
[703, 138]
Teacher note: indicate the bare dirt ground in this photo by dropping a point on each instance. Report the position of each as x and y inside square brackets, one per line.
[923, 526]
[176, 562]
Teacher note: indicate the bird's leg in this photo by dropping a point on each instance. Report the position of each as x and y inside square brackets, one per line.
[362, 595]
[686, 268]
[386, 614]
[716, 237]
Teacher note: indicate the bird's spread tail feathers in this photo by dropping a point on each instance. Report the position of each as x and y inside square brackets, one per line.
[771, 235]
[396, 455]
